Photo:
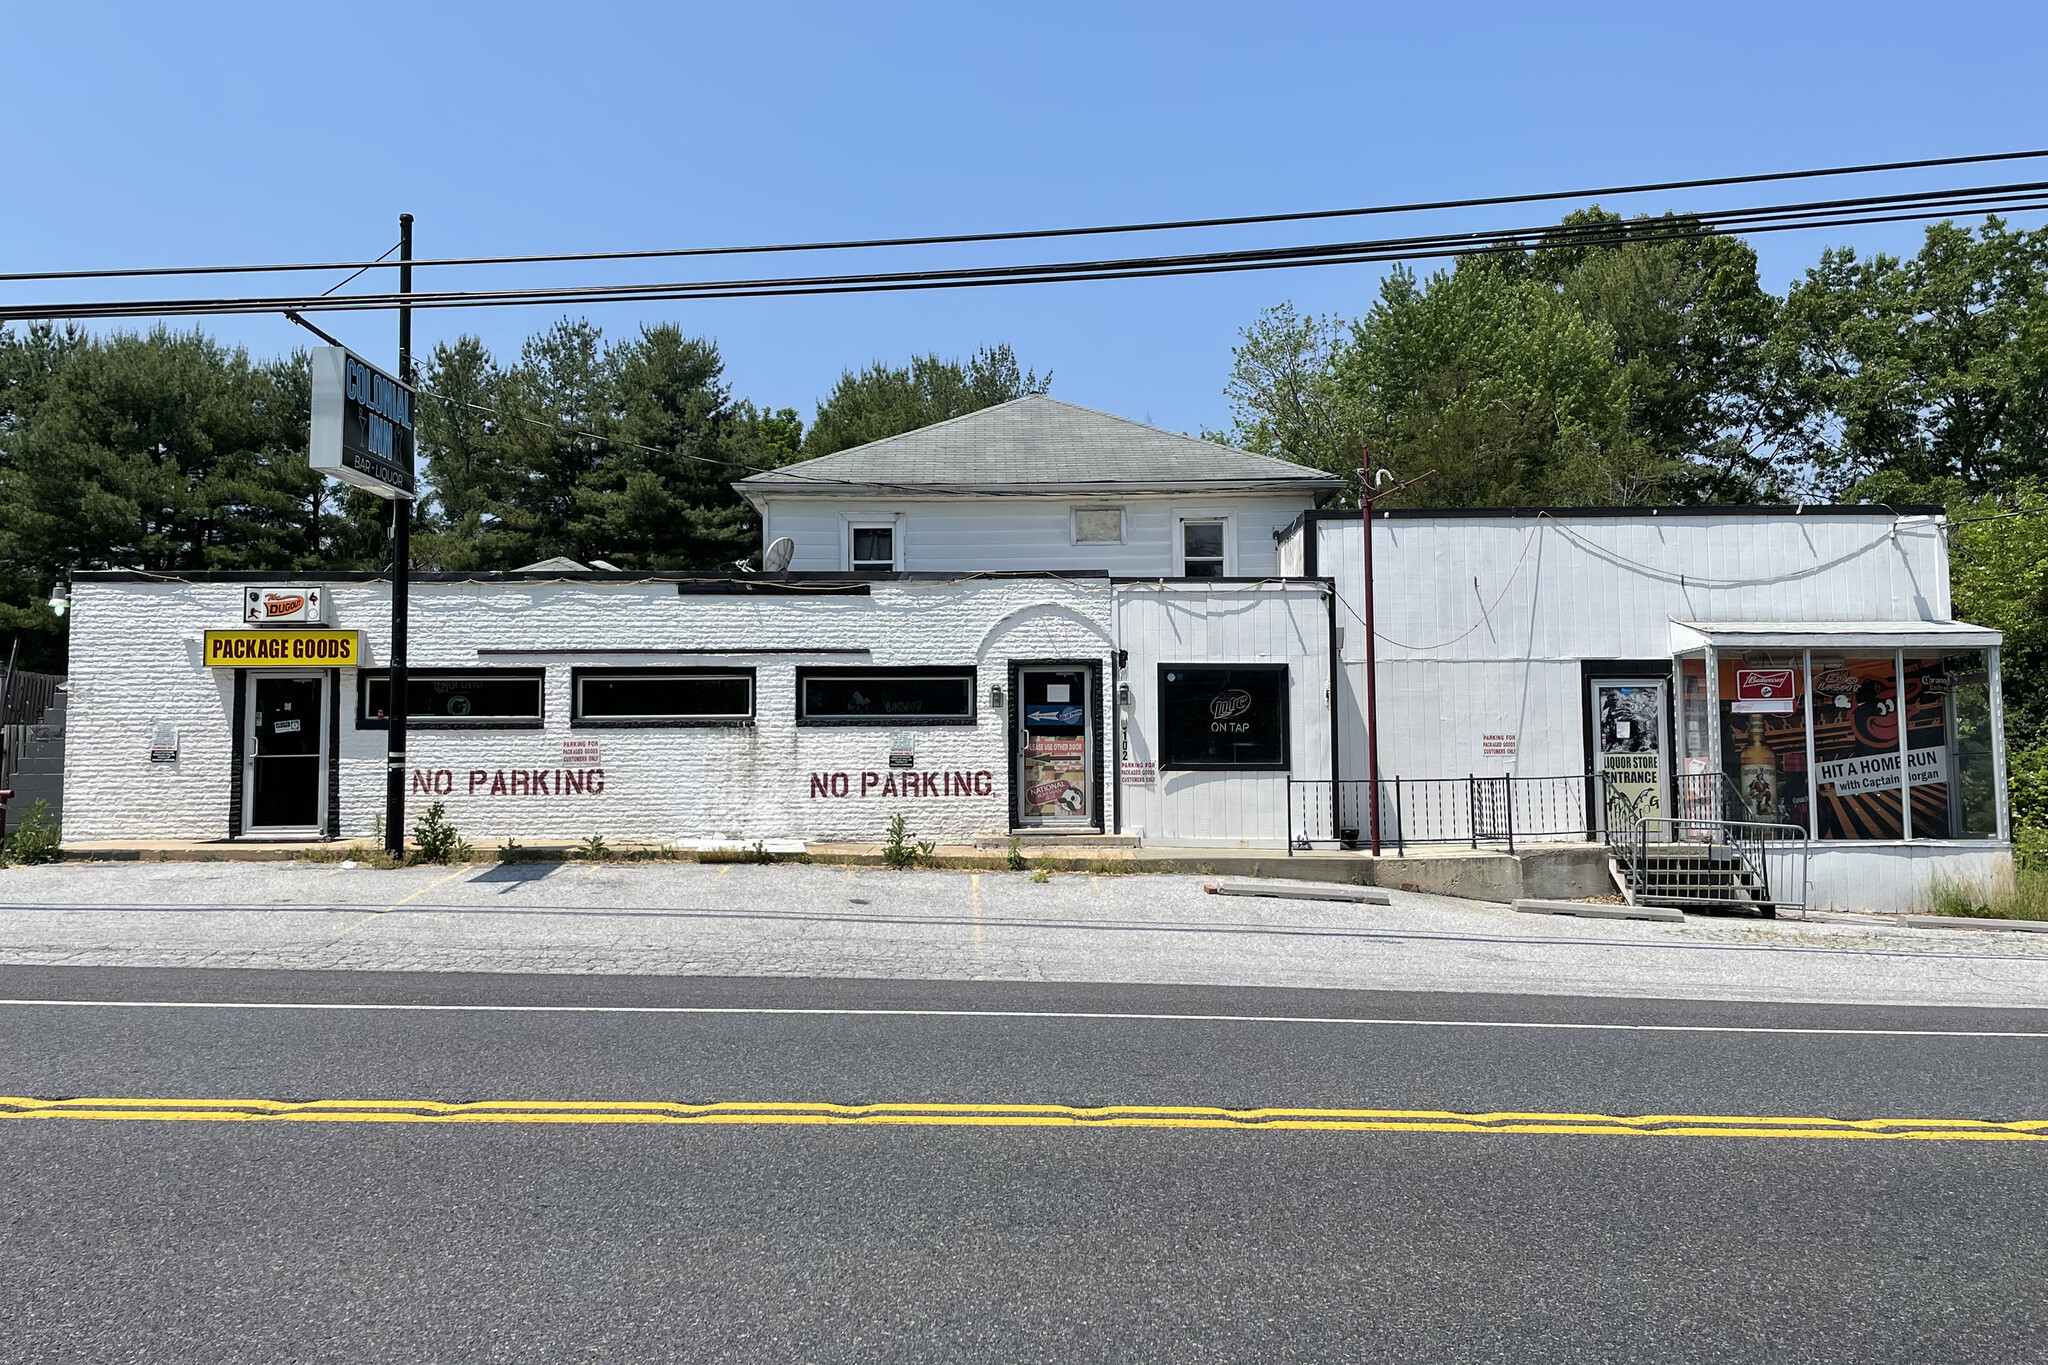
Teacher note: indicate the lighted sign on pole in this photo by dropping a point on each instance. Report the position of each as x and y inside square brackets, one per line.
[362, 424]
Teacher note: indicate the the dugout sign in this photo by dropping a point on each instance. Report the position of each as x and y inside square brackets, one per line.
[362, 424]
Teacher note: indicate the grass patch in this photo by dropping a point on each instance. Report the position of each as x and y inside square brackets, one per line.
[362, 855]
[2025, 898]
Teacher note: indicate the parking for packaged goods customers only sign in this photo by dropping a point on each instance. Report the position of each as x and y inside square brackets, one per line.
[282, 649]
[362, 424]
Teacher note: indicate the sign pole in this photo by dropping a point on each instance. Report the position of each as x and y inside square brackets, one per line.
[401, 585]
[1366, 498]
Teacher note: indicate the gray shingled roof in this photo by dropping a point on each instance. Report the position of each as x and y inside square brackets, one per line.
[1039, 443]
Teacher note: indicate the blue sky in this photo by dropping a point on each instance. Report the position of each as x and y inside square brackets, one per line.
[156, 134]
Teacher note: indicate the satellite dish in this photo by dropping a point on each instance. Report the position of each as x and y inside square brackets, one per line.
[778, 556]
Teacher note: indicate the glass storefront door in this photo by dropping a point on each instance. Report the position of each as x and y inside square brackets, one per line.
[1631, 752]
[287, 743]
[1055, 746]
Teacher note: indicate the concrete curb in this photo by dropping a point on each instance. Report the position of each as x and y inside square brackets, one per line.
[1356, 895]
[1996, 926]
[1664, 913]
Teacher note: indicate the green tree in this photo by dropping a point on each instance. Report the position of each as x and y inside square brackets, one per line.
[1922, 370]
[624, 452]
[882, 400]
[163, 451]
[1605, 368]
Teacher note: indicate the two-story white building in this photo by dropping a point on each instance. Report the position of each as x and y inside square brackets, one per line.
[1043, 619]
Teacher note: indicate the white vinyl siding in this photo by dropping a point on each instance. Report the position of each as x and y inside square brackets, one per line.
[972, 534]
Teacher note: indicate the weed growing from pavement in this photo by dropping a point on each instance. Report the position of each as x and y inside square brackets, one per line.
[595, 850]
[1042, 876]
[35, 839]
[437, 841]
[1014, 859]
[903, 848]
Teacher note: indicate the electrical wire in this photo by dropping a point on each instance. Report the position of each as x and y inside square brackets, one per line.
[1040, 234]
[1771, 218]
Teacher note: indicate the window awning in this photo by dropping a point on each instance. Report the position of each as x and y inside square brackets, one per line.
[1937, 636]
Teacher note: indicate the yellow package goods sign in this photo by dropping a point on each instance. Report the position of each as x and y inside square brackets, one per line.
[282, 649]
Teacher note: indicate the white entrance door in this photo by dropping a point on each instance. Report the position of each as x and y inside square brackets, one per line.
[285, 778]
[1055, 746]
[1631, 751]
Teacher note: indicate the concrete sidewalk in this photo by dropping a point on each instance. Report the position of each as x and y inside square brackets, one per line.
[1557, 871]
[820, 921]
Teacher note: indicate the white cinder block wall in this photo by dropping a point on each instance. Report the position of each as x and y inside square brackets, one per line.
[136, 663]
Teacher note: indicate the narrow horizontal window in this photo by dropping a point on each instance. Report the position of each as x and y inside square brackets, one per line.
[678, 696]
[1223, 717]
[455, 699]
[886, 696]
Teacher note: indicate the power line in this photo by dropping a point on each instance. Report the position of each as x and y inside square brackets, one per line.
[1040, 234]
[1771, 218]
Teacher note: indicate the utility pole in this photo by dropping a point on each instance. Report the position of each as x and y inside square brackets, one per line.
[1366, 498]
[401, 585]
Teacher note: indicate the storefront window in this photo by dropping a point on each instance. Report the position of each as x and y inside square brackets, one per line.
[485, 699]
[636, 697]
[911, 696]
[1948, 713]
[1223, 717]
[1763, 736]
[1856, 747]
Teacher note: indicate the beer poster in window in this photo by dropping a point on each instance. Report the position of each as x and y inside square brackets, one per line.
[1055, 777]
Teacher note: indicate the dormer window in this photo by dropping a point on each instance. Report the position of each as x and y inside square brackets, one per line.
[874, 549]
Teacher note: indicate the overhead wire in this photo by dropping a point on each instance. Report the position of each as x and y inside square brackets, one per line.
[1040, 234]
[2018, 197]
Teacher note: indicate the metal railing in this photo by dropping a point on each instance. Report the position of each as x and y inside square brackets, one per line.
[1687, 860]
[1471, 810]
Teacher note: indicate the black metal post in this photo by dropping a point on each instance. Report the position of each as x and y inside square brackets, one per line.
[401, 586]
[1508, 784]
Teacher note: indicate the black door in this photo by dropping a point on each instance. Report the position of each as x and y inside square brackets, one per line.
[286, 790]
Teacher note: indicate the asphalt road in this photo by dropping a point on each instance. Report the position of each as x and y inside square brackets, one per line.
[161, 1239]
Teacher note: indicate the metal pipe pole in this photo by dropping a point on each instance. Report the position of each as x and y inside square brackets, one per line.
[1372, 691]
[401, 586]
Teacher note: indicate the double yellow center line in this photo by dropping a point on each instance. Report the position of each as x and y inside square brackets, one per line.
[732, 1112]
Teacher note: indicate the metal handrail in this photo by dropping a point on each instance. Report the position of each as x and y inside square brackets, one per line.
[1751, 847]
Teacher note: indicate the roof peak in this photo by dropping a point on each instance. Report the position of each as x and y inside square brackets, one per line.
[1036, 440]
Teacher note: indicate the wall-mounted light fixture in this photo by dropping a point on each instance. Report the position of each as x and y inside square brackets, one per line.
[995, 697]
[1123, 695]
[60, 599]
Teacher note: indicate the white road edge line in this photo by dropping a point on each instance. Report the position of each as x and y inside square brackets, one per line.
[1030, 1014]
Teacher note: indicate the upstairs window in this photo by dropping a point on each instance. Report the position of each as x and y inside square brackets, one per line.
[874, 549]
[1201, 549]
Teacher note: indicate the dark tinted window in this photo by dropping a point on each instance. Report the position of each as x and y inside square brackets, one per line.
[874, 547]
[457, 697]
[1223, 717]
[887, 696]
[673, 696]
